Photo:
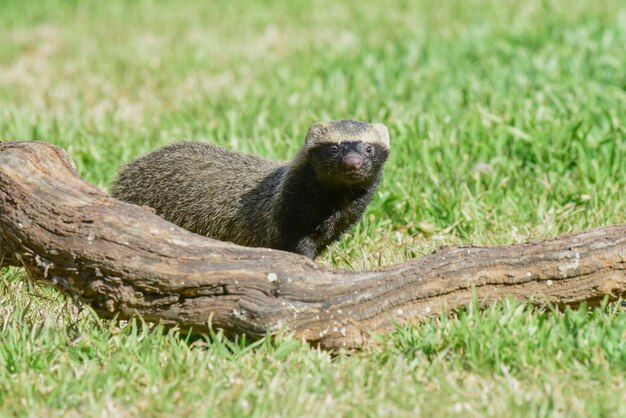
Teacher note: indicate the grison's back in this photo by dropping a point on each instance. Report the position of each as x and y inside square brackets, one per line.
[205, 189]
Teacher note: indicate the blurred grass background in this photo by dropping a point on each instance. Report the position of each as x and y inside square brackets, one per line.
[508, 123]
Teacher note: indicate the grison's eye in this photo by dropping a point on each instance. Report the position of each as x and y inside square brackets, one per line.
[369, 150]
[333, 150]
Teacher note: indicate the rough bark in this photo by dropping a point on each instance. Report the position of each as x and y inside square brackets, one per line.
[125, 260]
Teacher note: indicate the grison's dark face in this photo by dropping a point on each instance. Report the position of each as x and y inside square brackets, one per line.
[349, 162]
[347, 152]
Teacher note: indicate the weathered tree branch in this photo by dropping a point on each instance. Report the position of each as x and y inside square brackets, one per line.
[125, 260]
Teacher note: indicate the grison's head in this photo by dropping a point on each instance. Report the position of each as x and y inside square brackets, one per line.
[347, 152]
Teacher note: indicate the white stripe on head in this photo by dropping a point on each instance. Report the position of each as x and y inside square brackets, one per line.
[347, 131]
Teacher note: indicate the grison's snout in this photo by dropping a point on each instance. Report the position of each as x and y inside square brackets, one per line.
[352, 162]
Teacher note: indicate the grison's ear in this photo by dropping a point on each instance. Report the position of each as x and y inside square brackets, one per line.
[383, 133]
[316, 133]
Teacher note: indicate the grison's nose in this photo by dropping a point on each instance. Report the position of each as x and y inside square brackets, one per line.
[352, 162]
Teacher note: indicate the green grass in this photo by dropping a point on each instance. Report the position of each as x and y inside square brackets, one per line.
[508, 123]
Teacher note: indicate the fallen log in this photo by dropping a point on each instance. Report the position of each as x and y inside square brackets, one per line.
[124, 260]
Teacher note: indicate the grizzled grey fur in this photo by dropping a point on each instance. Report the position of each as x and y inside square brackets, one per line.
[299, 206]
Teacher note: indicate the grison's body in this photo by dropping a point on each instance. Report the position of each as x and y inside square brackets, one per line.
[300, 206]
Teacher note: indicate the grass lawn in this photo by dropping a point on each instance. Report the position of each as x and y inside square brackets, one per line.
[507, 121]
